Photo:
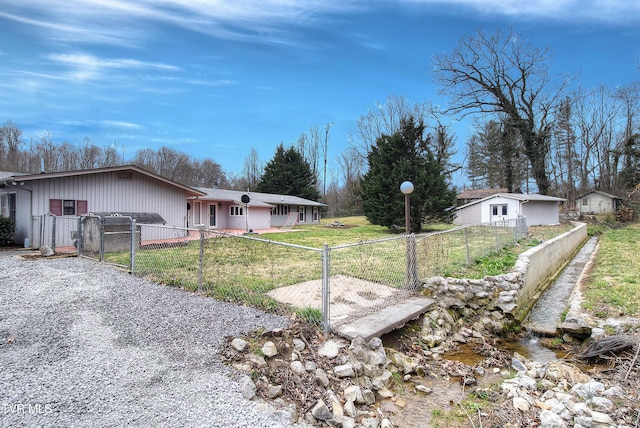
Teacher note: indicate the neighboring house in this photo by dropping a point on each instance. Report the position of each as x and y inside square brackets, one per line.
[538, 209]
[597, 202]
[470, 195]
[68, 194]
[233, 209]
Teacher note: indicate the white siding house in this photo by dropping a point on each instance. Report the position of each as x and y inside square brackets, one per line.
[225, 209]
[115, 189]
[538, 209]
[597, 202]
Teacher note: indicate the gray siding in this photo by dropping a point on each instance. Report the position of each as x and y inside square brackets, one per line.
[540, 213]
[111, 193]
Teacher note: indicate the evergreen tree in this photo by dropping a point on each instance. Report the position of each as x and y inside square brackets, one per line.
[288, 174]
[404, 156]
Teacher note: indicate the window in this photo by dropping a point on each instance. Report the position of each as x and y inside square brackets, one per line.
[315, 213]
[236, 210]
[301, 214]
[585, 201]
[68, 207]
[280, 210]
[4, 205]
[498, 209]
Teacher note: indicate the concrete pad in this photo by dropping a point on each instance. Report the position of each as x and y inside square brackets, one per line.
[385, 320]
[348, 295]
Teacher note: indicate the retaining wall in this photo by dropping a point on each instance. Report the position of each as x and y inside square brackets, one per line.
[514, 293]
[545, 260]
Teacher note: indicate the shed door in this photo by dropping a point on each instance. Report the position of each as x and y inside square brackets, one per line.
[498, 212]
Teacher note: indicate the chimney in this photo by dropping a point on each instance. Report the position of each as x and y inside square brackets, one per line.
[42, 171]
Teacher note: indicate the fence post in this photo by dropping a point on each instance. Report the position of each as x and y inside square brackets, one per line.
[495, 232]
[53, 234]
[201, 260]
[42, 223]
[134, 241]
[101, 239]
[466, 245]
[79, 236]
[412, 266]
[326, 292]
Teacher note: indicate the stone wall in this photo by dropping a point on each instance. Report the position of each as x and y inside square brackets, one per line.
[512, 294]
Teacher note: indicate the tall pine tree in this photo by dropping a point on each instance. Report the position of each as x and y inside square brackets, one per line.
[288, 174]
[404, 156]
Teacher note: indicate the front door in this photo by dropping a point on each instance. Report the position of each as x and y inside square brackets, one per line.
[212, 215]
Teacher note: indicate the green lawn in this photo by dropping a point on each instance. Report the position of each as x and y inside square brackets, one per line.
[613, 286]
[244, 270]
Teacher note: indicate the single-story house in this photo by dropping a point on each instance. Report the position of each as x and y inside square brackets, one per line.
[33, 199]
[470, 195]
[233, 209]
[30, 199]
[597, 202]
[538, 209]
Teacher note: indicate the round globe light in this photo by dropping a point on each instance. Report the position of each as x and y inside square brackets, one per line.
[406, 187]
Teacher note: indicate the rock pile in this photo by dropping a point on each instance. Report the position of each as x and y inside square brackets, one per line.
[337, 383]
[558, 394]
[327, 381]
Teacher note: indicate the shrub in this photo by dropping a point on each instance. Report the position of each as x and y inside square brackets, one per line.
[7, 229]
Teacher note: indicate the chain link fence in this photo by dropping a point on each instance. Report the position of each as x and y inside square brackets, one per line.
[444, 253]
[57, 232]
[329, 285]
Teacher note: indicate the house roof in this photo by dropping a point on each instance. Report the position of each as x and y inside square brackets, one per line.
[479, 193]
[605, 194]
[257, 199]
[522, 197]
[123, 168]
[8, 175]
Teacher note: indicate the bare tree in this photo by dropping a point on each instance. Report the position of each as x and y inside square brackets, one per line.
[595, 116]
[629, 97]
[384, 119]
[252, 169]
[111, 157]
[10, 146]
[500, 73]
[90, 155]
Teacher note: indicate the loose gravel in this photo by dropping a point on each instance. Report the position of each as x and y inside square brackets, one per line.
[85, 344]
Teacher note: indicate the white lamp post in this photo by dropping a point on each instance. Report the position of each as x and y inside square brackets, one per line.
[407, 188]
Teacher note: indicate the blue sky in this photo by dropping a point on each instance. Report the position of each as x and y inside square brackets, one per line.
[214, 78]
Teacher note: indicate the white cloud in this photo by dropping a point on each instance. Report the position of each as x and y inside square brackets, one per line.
[89, 67]
[121, 124]
[565, 10]
[90, 61]
[130, 23]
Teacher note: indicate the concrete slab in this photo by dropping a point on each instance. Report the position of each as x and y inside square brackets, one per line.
[385, 320]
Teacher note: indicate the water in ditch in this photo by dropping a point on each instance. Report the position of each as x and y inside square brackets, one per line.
[546, 314]
[416, 411]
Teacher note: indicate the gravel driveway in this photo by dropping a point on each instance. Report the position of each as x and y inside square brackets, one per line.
[84, 344]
